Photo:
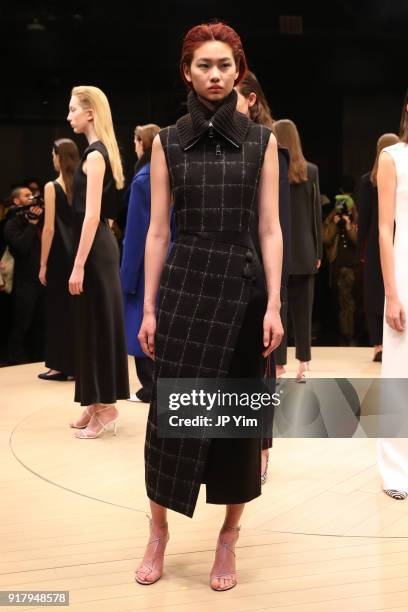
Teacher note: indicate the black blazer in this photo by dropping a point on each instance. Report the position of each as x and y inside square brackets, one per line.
[306, 223]
[23, 239]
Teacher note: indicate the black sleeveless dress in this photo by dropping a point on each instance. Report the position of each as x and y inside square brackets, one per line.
[101, 366]
[212, 299]
[59, 348]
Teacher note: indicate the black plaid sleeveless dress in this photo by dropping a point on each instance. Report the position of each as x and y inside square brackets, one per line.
[212, 298]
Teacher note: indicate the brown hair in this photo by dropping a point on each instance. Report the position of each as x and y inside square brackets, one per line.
[384, 141]
[288, 136]
[68, 155]
[260, 111]
[404, 120]
[206, 32]
[145, 134]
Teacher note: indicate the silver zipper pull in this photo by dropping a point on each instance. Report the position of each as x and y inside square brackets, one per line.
[211, 134]
[218, 150]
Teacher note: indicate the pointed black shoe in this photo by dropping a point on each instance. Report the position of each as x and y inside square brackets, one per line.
[58, 376]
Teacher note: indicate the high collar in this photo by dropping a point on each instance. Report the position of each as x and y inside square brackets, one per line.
[225, 120]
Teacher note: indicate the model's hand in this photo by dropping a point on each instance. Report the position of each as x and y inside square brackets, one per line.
[43, 275]
[146, 335]
[318, 263]
[272, 331]
[336, 218]
[395, 314]
[76, 280]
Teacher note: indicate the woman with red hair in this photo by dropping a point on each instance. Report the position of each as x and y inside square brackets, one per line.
[218, 309]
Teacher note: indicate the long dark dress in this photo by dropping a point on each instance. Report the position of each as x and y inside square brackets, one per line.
[211, 300]
[369, 250]
[101, 367]
[59, 348]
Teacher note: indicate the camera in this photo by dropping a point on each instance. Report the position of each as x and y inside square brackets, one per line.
[36, 201]
[24, 209]
[342, 209]
[344, 206]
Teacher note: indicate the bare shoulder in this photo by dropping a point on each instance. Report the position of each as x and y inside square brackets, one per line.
[94, 163]
[386, 157]
[386, 162]
[158, 151]
[95, 156]
[49, 187]
[157, 145]
[273, 143]
[271, 150]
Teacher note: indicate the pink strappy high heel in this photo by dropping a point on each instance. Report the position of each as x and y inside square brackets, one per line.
[148, 567]
[228, 548]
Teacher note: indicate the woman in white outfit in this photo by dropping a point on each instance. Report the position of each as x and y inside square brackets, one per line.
[392, 179]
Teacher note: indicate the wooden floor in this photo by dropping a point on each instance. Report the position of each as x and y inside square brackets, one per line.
[322, 537]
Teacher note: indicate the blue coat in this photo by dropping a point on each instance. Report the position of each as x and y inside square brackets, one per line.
[132, 268]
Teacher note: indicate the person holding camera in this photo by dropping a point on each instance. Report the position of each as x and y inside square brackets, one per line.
[340, 239]
[22, 234]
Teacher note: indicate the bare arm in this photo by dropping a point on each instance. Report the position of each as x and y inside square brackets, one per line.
[157, 242]
[48, 231]
[270, 238]
[95, 171]
[387, 183]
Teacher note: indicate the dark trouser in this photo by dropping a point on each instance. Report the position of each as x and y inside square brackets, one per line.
[28, 319]
[344, 285]
[375, 328]
[300, 305]
[144, 371]
[6, 315]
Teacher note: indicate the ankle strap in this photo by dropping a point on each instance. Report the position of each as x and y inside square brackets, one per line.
[235, 529]
[107, 407]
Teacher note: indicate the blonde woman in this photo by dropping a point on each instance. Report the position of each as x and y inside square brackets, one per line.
[305, 246]
[101, 375]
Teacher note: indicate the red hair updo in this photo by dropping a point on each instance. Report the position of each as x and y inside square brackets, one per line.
[207, 32]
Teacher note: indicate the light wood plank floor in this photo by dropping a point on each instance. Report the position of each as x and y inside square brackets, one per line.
[322, 537]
